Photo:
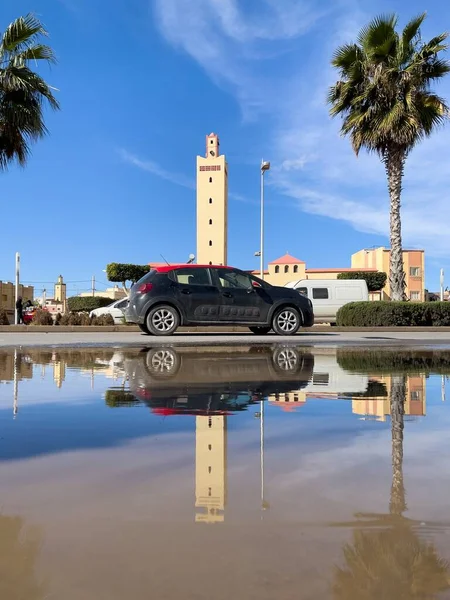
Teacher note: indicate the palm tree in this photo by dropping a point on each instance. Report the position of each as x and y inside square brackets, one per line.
[22, 91]
[384, 97]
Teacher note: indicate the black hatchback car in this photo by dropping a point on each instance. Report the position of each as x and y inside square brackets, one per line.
[170, 296]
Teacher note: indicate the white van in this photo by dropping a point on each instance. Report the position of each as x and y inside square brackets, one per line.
[328, 295]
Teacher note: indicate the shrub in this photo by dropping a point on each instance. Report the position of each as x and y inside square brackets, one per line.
[58, 318]
[394, 314]
[116, 398]
[42, 317]
[3, 317]
[104, 320]
[75, 318]
[88, 303]
[375, 281]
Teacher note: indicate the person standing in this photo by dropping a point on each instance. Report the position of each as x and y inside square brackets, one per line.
[19, 308]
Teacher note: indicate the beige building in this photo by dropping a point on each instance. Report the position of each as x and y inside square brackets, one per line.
[212, 205]
[414, 267]
[210, 468]
[115, 293]
[8, 297]
[288, 268]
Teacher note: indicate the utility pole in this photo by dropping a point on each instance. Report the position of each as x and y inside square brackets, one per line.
[442, 285]
[44, 297]
[16, 317]
[93, 285]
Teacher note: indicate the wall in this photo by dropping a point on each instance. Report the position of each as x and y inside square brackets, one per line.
[7, 297]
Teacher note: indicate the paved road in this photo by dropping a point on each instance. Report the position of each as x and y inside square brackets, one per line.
[361, 338]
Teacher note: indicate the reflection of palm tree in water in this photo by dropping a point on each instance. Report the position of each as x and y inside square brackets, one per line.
[391, 561]
[19, 548]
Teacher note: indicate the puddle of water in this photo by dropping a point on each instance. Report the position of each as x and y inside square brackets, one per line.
[217, 472]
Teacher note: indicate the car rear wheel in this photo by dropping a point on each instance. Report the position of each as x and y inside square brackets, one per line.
[260, 330]
[144, 328]
[286, 321]
[162, 320]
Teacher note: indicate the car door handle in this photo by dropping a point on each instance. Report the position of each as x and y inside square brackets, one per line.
[227, 295]
[185, 291]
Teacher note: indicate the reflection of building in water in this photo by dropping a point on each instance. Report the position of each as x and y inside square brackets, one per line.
[210, 468]
[370, 395]
[59, 372]
[379, 407]
[24, 368]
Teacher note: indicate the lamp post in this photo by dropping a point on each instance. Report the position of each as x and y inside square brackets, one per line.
[265, 166]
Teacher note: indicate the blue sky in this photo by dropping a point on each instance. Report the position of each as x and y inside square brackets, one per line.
[141, 83]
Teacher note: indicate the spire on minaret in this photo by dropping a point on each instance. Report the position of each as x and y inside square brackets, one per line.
[212, 145]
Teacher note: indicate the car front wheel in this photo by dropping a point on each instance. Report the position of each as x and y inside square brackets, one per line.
[162, 320]
[286, 321]
[144, 329]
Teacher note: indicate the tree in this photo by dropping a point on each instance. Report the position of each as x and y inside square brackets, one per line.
[375, 281]
[387, 106]
[22, 91]
[121, 273]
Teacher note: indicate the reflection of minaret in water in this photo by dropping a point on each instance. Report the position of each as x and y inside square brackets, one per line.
[59, 372]
[210, 468]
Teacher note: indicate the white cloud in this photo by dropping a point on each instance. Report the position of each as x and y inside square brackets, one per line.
[263, 59]
[155, 169]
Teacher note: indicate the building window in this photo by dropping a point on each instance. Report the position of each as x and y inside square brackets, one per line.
[277, 269]
[295, 268]
[286, 268]
[210, 242]
[415, 295]
[414, 271]
[210, 200]
[210, 262]
[415, 395]
[210, 221]
[210, 180]
[320, 293]
[209, 491]
[209, 469]
[212, 142]
[209, 422]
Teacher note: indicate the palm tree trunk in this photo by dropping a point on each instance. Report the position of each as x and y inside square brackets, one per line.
[394, 163]
[397, 504]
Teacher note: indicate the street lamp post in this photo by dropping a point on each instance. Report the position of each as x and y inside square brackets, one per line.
[265, 166]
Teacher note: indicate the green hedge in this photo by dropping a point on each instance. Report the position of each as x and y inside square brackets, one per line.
[87, 303]
[375, 280]
[389, 314]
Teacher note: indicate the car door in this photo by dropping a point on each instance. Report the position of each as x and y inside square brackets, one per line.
[241, 301]
[321, 297]
[197, 294]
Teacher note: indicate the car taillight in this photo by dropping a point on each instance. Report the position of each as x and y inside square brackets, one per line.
[144, 288]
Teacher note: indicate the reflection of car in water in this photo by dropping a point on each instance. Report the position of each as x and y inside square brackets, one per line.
[214, 380]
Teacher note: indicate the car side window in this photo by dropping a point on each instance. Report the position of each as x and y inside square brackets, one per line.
[229, 278]
[193, 276]
[320, 293]
[122, 304]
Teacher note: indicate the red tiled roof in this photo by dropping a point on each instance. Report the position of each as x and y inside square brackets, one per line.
[363, 269]
[287, 259]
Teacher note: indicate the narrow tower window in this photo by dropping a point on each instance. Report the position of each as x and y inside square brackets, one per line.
[295, 268]
[210, 180]
[210, 200]
[286, 269]
[277, 269]
[210, 242]
[210, 221]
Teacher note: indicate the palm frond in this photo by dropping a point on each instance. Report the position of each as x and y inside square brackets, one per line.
[21, 32]
[412, 30]
[346, 56]
[36, 52]
[377, 32]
